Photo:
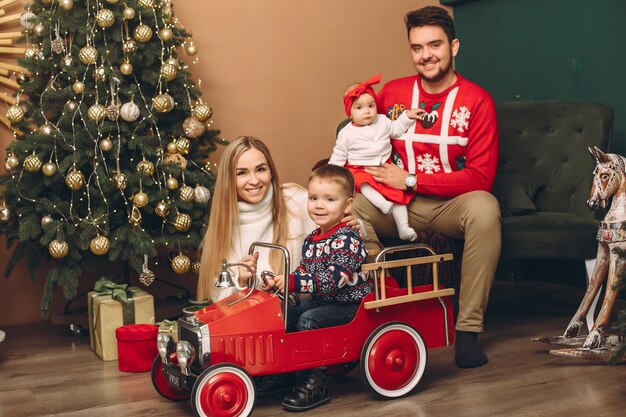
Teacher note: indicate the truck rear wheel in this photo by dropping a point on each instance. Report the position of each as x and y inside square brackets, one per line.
[393, 360]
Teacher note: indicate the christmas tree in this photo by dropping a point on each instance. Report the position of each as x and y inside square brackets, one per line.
[111, 141]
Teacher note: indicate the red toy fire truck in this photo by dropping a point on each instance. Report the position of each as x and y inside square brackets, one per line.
[222, 346]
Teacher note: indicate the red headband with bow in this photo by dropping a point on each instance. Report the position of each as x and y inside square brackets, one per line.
[359, 90]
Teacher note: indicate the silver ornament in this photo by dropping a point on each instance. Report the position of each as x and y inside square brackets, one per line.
[27, 20]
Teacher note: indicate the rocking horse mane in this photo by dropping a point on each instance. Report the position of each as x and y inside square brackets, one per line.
[618, 160]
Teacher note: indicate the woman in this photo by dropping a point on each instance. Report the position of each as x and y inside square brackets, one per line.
[250, 205]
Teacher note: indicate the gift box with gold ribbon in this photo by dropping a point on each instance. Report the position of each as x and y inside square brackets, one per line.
[169, 327]
[111, 306]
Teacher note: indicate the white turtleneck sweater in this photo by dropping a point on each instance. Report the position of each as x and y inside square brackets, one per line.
[256, 225]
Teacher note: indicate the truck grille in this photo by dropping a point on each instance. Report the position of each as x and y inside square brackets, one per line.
[196, 333]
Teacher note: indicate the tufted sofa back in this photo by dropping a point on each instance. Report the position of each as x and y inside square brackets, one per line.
[546, 142]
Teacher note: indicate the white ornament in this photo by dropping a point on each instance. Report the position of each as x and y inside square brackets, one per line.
[201, 195]
[130, 111]
[27, 20]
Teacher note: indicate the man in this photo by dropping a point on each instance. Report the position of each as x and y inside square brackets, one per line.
[448, 159]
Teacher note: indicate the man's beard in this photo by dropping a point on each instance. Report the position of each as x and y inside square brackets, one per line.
[440, 75]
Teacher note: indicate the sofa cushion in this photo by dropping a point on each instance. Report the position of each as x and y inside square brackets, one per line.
[514, 194]
[547, 235]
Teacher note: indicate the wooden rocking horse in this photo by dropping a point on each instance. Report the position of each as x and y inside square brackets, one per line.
[609, 182]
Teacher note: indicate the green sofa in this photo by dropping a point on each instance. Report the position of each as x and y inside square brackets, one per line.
[544, 177]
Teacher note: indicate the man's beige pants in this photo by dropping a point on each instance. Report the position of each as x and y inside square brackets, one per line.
[473, 217]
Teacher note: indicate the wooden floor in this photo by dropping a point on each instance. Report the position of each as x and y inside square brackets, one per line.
[46, 371]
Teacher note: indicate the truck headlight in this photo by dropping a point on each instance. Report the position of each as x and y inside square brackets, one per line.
[165, 346]
[185, 354]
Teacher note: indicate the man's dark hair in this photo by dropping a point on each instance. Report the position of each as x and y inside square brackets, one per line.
[430, 16]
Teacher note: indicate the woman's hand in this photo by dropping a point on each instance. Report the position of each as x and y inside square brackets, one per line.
[351, 221]
[244, 274]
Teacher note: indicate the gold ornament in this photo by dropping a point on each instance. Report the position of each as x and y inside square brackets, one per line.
[146, 277]
[67, 61]
[45, 129]
[195, 268]
[78, 87]
[46, 220]
[173, 61]
[120, 180]
[99, 245]
[57, 45]
[148, 4]
[113, 1]
[49, 169]
[58, 249]
[33, 52]
[182, 222]
[202, 112]
[135, 216]
[5, 213]
[66, 4]
[172, 148]
[166, 34]
[168, 71]
[39, 29]
[96, 112]
[183, 145]
[130, 111]
[71, 105]
[175, 158]
[141, 199]
[15, 113]
[128, 13]
[74, 179]
[12, 162]
[100, 73]
[163, 103]
[106, 145]
[201, 194]
[181, 264]
[129, 45]
[32, 163]
[145, 167]
[142, 33]
[105, 18]
[168, 12]
[88, 55]
[193, 127]
[172, 183]
[126, 68]
[162, 209]
[191, 49]
[112, 111]
[21, 78]
[186, 193]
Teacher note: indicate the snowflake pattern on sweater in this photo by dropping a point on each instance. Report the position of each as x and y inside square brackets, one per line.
[330, 269]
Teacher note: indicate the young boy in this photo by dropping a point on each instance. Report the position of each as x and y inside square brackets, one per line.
[329, 271]
[365, 142]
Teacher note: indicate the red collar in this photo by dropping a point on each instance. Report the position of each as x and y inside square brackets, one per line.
[318, 237]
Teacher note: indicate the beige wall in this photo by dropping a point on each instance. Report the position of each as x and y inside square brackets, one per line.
[275, 69]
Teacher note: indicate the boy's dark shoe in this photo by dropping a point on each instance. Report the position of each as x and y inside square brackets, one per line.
[467, 352]
[309, 391]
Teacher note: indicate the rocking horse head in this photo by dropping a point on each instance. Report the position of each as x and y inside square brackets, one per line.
[608, 177]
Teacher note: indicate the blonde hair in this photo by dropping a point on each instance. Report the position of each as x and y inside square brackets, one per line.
[223, 219]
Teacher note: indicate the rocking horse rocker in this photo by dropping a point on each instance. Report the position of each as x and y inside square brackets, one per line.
[609, 181]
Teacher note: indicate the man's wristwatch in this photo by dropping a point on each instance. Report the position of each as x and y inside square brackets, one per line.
[410, 181]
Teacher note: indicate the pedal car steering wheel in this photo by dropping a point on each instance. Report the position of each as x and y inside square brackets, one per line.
[294, 299]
